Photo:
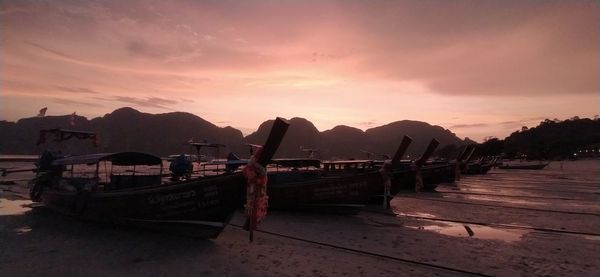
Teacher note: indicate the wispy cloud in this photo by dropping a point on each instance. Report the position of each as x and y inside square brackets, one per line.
[152, 102]
[473, 125]
[49, 50]
[75, 103]
[77, 89]
[366, 124]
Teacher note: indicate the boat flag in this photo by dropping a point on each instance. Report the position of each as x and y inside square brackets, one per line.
[42, 112]
[257, 200]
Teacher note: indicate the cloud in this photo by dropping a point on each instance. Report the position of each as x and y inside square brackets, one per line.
[523, 121]
[473, 125]
[368, 123]
[49, 50]
[77, 89]
[75, 103]
[152, 102]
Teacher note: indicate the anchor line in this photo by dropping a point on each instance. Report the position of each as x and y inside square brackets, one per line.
[501, 225]
[498, 206]
[368, 253]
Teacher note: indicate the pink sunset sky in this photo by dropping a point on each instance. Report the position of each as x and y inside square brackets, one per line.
[478, 68]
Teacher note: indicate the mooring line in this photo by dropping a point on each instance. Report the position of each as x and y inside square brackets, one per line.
[500, 225]
[514, 196]
[528, 188]
[368, 253]
[497, 206]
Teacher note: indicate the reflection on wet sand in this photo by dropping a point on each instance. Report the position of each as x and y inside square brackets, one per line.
[474, 231]
[14, 207]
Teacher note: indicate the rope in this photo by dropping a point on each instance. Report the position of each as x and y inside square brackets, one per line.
[501, 225]
[499, 206]
[513, 196]
[368, 253]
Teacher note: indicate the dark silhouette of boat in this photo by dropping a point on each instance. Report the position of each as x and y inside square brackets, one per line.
[481, 166]
[340, 186]
[197, 207]
[419, 174]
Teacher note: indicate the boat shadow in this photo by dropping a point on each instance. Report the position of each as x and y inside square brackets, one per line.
[26, 225]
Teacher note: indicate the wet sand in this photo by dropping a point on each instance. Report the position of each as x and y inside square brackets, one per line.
[518, 222]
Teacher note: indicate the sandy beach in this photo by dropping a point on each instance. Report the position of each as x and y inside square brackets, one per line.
[527, 223]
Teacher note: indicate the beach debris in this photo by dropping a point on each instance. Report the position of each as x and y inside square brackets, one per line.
[469, 230]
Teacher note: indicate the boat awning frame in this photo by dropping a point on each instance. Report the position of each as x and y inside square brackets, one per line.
[119, 158]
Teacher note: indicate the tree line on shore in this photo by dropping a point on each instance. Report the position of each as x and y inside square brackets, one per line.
[551, 139]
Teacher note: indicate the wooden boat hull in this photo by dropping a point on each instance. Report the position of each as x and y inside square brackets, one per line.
[343, 193]
[477, 168]
[432, 176]
[435, 174]
[197, 208]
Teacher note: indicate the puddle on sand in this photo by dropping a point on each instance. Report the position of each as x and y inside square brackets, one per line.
[23, 230]
[415, 214]
[14, 207]
[475, 231]
[596, 238]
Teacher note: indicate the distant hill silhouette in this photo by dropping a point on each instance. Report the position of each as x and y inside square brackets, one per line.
[385, 139]
[127, 129]
[301, 133]
[347, 142]
[343, 142]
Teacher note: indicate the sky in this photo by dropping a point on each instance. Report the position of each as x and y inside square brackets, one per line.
[478, 68]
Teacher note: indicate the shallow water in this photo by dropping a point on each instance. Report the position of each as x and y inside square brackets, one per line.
[471, 231]
[14, 207]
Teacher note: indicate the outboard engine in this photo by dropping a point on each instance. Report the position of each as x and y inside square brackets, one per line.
[47, 174]
[44, 164]
[181, 167]
[233, 163]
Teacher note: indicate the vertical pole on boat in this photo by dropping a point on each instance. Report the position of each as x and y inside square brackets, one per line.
[433, 144]
[406, 141]
[459, 160]
[256, 175]
[386, 172]
[388, 167]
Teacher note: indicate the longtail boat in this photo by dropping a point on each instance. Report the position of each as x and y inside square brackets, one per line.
[197, 207]
[337, 187]
[417, 175]
[481, 166]
[341, 186]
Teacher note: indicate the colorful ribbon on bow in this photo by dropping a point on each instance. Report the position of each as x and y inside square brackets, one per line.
[257, 200]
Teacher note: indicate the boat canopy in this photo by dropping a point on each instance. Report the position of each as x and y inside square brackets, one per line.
[120, 158]
[348, 162]
[296, 162]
